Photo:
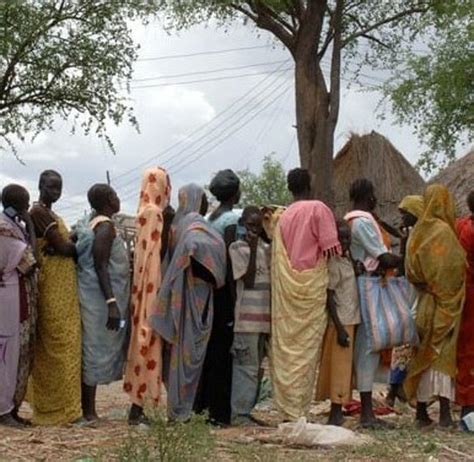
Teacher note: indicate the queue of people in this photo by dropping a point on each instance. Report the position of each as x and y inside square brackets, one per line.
[206, 298]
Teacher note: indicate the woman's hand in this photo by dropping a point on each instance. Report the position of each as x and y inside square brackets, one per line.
[113, 321]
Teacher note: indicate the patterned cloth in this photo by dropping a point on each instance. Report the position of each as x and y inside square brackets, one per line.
[184, 310]
[436, 259]
[56, 376]
[252, 308]
[465, 353]
[144, 365]
[12, 247]
[309, 233]
[103, 352]
[299, 319]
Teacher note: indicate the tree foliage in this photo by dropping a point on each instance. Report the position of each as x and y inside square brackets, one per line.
[266, 188]
[64, 58]
[320, 34]
[434, 91]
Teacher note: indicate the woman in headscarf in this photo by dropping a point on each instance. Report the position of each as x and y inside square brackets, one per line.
[18, 301]
[216, 381]
[56, 375]
[465, 352]
[104, 290]
[436, 265]
[411, 208]
[185, 306]
[144, 365]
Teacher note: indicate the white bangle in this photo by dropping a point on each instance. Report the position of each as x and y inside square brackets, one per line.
[110, 301]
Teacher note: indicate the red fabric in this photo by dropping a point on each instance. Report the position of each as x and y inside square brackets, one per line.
[465, 353]
[354, 407]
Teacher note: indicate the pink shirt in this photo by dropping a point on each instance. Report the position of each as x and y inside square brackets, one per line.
[308, 229]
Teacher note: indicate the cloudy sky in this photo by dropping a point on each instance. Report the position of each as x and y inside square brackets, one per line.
[231, 120]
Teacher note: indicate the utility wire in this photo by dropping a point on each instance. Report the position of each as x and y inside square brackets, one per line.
[203, 53]
[210, 71]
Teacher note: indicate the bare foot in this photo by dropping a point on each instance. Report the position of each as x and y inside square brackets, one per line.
[337, 421]
[447, 422]
[91, 417]
[376, 424]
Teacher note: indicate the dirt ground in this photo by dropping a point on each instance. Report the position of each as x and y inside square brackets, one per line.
[73, 443]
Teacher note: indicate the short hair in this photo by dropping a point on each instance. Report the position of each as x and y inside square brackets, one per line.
[11, 195]
[225, 185]
[99, 195]
[45, 174]
[250, 210]
[341, 223]
[299, 181]
[361, 189]
[470, 201]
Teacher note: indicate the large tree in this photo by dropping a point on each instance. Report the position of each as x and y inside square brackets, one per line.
[370, 31]
[64, 58]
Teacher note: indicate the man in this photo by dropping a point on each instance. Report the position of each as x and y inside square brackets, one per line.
[304, 238]
[16, 263]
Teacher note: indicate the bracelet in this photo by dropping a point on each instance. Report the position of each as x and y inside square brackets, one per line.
[110, 301]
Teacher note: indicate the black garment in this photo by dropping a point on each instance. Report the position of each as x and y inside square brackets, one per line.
[215, 386]
[214, 391]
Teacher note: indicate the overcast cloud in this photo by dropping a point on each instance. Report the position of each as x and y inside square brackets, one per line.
[169, 114]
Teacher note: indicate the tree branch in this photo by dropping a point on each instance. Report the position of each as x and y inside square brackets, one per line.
[376, 40]
[396, 17]
[267, 19]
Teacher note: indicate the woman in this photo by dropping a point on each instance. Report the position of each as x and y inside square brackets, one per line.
[216, 383]
[104, 289]
[142, 379]
[185, 309]
[436, 265]
[305, 236]
[370, 251]
[465, 352]
[411, 208]
[56, 376]
[18, 302]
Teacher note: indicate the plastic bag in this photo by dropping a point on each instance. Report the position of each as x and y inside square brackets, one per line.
[309, 434]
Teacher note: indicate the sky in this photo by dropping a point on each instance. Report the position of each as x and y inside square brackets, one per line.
[198, 128]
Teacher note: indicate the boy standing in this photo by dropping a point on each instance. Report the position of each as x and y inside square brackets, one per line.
[250, 258]
[335, 376]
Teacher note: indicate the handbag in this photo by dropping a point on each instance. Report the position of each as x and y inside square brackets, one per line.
[386, 310]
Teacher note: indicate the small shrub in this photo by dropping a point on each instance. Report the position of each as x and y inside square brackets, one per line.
[168, 442]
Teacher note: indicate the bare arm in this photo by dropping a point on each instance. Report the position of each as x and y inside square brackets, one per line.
[342, 335]
[249, 278]
[104, 238]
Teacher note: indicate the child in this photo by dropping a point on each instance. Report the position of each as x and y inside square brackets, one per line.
[250, 258]
[335, 376]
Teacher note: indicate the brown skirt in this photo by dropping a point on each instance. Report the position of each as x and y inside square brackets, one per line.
[335, 373]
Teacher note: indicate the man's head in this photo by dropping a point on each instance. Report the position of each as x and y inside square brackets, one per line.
[17, 197]
[362, 193]
[299, 183]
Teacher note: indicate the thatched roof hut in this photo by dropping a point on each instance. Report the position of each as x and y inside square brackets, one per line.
[459, 178]
[374, 157]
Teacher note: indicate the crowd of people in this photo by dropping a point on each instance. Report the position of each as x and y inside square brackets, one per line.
[192, 315]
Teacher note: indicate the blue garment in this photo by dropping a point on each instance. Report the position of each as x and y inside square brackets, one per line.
[103, 350]
[366, 240]
[223, 221]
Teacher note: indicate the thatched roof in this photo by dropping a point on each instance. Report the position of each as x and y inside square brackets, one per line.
[372, 156]
[459, 178]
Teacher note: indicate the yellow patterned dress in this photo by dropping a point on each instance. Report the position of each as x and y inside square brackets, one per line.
[55, 388]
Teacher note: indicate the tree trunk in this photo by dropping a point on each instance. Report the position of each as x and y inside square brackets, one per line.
[314, 126]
